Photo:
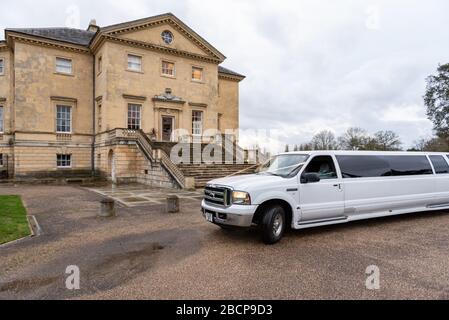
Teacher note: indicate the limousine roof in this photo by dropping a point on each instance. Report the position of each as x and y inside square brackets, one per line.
[366, 153]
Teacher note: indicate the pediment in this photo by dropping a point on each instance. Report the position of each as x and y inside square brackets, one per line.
[150, 31]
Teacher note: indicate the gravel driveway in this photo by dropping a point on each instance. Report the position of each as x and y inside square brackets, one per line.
[146, 254]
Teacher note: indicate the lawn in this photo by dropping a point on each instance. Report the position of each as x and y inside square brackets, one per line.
[13, 220]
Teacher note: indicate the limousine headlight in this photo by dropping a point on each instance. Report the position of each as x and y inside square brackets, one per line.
[240, 197]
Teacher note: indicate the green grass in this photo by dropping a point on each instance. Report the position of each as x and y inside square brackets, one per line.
[13, 220]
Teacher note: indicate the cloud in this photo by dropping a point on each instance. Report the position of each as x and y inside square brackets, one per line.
[310, 64]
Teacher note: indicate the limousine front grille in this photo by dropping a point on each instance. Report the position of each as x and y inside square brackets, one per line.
[217, 195]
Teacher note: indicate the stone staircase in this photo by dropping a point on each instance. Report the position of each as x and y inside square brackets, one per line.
[203, 173]
[159, 153]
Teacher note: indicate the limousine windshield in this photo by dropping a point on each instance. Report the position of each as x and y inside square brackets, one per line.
[284, 165]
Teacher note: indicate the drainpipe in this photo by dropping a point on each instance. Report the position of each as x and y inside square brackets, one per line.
[93, 117]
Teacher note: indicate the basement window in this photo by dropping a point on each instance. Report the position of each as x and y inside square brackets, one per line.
[64, 160]
[64, 66]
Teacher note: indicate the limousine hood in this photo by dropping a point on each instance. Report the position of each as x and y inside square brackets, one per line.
[246, 182]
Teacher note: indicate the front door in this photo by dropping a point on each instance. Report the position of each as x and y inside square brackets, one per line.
[323, 200]
[167, 128]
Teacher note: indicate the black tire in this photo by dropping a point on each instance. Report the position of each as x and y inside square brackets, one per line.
[270, 233]
[226, 228]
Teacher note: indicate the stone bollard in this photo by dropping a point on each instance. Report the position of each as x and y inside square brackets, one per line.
[172, 204]
[190, 183]
[107, 208]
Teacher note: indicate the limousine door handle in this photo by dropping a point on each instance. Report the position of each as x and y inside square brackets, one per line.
[338, 186]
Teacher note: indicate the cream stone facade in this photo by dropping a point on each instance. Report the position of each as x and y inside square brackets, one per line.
[92, 102]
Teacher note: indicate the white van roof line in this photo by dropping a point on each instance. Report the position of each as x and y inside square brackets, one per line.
[342, 152]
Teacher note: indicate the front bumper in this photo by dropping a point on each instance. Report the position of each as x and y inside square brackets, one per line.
[235, 215]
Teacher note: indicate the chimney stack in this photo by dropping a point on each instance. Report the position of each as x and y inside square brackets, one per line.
[93, 26]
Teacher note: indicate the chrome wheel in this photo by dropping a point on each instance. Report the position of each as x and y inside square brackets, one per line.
[277, 225]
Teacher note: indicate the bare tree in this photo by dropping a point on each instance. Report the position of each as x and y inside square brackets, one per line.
[434, 144]
[324, 140]
[387, 141]
[305, 147]
[354, 139]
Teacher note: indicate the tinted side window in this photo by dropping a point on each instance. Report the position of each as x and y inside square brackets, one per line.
[383, 166]
[409, 165]
[363, 166]
[440, 164]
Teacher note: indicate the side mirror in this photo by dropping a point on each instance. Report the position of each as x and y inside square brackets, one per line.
[310, 177]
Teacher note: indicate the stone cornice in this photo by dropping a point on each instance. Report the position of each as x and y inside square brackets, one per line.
[16, 36]
[133, 97]
[174, 22]
[64, 99]
[226, 76]
[50, 133]
[153, 47]
[197, 104]
[168, 101]
[3, 46]
[164, 108]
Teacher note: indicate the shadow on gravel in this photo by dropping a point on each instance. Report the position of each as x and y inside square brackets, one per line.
[104, 266]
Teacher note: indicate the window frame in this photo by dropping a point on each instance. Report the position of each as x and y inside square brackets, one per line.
[172, 36]
[140, 107]
[99, 117]
[3, 66]
[68, 160]
[201, 122]
[202, 74]
[2, 119]
[70, 108]
[140, 57]
[100, 65]
[62, 72]
[166, 74]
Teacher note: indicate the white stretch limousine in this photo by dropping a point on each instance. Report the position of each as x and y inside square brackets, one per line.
[309, 189]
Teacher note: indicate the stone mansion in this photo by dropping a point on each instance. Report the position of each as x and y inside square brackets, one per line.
[106, 101]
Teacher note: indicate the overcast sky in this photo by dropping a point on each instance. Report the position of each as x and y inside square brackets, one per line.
[310, 64]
